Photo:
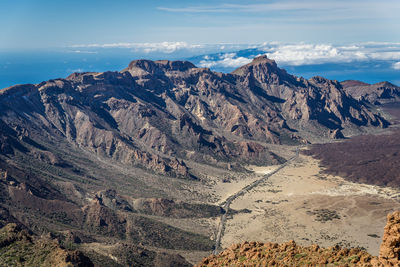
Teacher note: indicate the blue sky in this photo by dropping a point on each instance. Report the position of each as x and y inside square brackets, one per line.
[33, 24]
[340, 39]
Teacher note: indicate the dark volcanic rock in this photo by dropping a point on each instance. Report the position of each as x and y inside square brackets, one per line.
[371, 159]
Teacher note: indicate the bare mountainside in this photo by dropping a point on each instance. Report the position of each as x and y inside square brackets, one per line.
[123, 164]
[377, 93]
[155, 114]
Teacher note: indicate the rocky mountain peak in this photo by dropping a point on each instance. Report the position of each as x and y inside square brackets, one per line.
[154, 112]
[261, 63]
[263, 60]
[265, 71]
[156, 67]
[175, 65]
[323, 80]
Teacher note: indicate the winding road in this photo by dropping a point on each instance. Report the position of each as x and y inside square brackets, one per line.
[226, 204]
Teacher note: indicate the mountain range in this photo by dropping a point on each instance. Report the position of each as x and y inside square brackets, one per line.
[106, 155]
[155, 114]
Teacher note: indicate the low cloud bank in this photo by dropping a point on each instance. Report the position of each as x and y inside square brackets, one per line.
[308, 54]
[228, 60]
[235, 55]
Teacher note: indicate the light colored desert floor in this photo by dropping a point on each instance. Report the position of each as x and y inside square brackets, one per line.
[300, 203]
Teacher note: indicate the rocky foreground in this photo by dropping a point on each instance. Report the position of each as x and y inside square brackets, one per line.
[19, 248]
[291, 254]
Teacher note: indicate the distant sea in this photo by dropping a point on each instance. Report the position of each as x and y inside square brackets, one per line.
[37, 66]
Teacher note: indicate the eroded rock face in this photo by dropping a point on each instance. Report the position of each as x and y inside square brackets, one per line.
[100, 218]
[112, 200]
[336, 134]
[373, 93]
[390, 247]
[157, 114]
[304, 101]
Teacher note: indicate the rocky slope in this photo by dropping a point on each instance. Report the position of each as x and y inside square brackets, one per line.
[316, 103]
[291, 254]
[81, 218]
[124, 254]
[154, 114]
[377, 93]
[19, 248]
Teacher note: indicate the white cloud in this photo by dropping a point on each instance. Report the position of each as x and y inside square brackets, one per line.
[308, 54]
[285, 54]
[305, 54]
[396, 66]
[388, 55]
[229, 60]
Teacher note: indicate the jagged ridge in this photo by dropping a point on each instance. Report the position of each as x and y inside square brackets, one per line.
[377, 93]
[156, 113]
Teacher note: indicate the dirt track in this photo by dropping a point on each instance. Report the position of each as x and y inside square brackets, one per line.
[226, 204]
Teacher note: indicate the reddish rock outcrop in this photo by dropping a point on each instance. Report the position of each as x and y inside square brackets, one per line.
[390, 247]
[291, 254]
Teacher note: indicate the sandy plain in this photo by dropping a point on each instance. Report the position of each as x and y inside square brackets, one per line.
[302, 203]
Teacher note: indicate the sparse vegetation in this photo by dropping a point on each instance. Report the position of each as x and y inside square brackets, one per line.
[324, 215]
[19, 248]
